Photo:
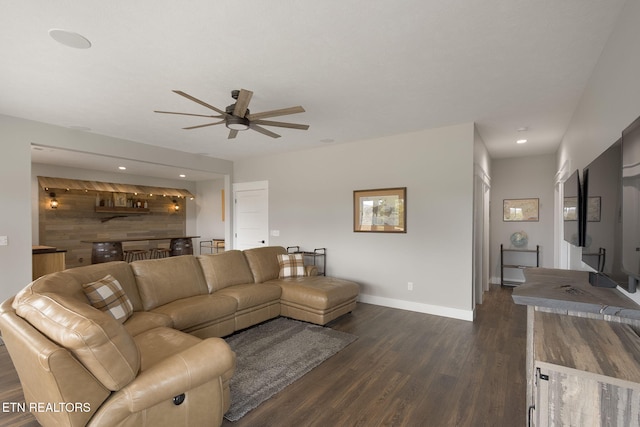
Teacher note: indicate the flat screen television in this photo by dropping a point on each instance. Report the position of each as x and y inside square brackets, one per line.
[631, 203]
[572, 210]
[603, 217]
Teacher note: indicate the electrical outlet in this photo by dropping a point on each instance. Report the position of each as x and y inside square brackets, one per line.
[275, 233]
[4, 240]
[410, 286]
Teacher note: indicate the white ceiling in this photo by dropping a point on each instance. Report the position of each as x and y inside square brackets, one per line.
[361, 68]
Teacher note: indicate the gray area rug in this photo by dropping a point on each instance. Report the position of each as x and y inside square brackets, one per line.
[273, 355]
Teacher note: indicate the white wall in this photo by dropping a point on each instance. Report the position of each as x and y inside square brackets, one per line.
[611, 100]
[15, 215]
[522, 178]
[209, 209]
[16, 137]
[311, 204]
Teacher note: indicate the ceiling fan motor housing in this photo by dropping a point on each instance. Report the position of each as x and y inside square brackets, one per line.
[230, 108]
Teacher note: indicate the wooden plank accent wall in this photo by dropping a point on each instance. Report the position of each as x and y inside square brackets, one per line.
[75, 220]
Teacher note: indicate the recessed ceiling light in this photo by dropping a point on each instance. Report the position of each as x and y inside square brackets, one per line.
[122, 168]
[69, 38]
[523, 129]
[521, 141]
[183, 175]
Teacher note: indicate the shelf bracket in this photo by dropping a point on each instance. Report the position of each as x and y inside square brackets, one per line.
[109, 218]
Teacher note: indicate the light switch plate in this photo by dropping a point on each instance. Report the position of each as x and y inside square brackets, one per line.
[4, 240]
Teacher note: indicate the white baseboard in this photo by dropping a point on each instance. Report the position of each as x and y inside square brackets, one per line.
[437, 310]
[496, 280]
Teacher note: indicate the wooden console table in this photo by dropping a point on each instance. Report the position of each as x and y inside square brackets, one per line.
[107, 250]
[583, 350]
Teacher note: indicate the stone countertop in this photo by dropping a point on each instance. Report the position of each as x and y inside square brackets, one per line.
[39, 249]
[570, 290]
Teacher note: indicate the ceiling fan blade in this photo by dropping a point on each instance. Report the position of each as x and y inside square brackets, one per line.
[273, 113]
[204, 104]
[281, 124]
[189, 114]
[264, 131]
[242, 103]
[232, 134]
[202, 126]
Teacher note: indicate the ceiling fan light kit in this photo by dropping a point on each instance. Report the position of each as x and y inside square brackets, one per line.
[237, 123]
[237, 117]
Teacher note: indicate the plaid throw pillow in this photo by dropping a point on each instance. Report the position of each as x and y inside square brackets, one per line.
[291, 265]
[107, 295]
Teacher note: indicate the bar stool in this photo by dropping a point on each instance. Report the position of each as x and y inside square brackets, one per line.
[157, 253]
[135, 255]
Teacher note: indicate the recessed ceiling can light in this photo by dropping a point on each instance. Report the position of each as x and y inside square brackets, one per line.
[521, 141]
[183, 175]
[122, 168]
[69, 38]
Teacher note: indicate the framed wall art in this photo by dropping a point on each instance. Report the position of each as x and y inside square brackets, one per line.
[120, 199]
[381, 210]
[520, 210]
[593, 209]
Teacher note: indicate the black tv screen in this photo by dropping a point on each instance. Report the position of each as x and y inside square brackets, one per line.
[603, 214]
[631, 203]
[572, 210]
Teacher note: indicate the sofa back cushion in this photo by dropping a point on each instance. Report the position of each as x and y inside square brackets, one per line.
[264, 262]
[225, 269]
[161, 281]
[95, 338]
[120, 270]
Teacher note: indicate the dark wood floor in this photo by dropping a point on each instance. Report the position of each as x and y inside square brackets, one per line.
[405, 369]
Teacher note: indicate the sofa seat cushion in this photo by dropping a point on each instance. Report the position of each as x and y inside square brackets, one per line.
[252, 294]
[142, 321]
[188, 313]
[158, 344]
[317, 292]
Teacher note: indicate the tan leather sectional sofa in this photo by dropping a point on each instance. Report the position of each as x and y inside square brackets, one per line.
[166, 364]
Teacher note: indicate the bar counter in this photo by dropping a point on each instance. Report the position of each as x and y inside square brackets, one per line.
[106, 250]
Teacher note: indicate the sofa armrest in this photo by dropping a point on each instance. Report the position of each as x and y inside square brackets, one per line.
[179, 373]
[311, 270]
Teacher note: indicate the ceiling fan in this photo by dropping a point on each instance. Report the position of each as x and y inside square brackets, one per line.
[237, 117]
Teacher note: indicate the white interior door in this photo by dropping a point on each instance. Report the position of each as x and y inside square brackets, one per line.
[251, 215]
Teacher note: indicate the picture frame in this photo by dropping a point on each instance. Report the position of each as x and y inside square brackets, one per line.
[382, 210]
[593, 209]
[120, 200]
[570, 209]
[521, 210]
